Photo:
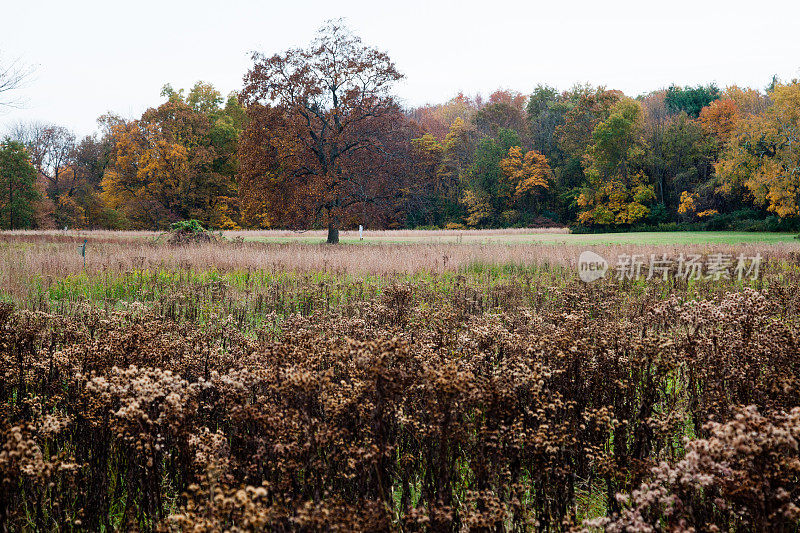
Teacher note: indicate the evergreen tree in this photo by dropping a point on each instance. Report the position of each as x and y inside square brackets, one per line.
[17, 186]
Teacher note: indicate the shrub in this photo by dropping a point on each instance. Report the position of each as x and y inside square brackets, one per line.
[186, 231]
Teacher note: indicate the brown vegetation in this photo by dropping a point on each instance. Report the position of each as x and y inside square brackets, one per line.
[508, 404]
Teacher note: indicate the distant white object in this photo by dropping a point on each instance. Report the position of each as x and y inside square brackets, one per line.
[360, 232]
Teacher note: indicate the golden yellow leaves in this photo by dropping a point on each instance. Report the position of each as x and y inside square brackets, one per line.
[478, 206]
[719, 118]
[616, 202]
[616, 192]
[146, 165]
[173, 163]
[764, 153]
[687, 204]
[428, 147]
[526, 173]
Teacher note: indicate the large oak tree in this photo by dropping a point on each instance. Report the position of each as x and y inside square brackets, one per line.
[325, 134]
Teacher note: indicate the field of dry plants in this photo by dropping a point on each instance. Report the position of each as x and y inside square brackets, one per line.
[437, 386]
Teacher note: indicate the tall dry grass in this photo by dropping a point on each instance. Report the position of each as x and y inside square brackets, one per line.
[48, 256]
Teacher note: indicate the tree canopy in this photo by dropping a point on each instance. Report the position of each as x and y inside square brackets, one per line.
[331, 124]
[17, 186]
[316, 138]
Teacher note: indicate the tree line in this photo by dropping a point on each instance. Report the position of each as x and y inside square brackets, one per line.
[316, 138]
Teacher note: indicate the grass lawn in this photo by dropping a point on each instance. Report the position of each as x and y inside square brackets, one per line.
[491, 237]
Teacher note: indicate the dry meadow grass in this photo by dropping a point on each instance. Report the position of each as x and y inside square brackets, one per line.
[26, 255]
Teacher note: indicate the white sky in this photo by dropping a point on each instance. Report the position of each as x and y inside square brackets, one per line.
[97, 56]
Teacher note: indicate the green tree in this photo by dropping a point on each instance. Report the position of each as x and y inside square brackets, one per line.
[617, 190]
[546, 109]
[686, 155]
[586, 108]
[17, 186]
[486, 187]
[690, 100]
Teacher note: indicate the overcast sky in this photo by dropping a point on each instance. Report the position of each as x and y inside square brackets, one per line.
[97, 56]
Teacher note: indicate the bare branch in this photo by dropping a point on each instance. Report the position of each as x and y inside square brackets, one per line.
[12, 78]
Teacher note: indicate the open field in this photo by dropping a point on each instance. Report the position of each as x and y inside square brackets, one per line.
[555, 236]
[38, 259]
[551, 236]
[421, 385]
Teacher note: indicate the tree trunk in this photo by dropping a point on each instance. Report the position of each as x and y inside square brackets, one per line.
[10, 203]
[333, 233]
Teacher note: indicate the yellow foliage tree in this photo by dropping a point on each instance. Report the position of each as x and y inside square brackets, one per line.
[169, 165]
[764, 153]
[616, 201]
[687, 204]
[527, 174]
[147, 173]
[479, 207]
[457, 149]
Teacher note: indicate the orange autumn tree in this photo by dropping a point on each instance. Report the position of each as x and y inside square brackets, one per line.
[528, 175]
[174, 163]
[719, 119]
[764, 154]
[325, 135]
[512, 98]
